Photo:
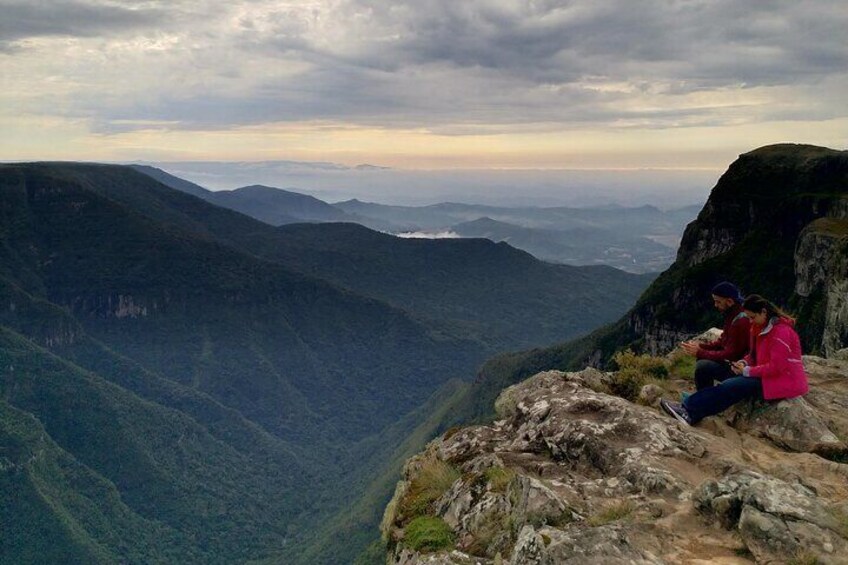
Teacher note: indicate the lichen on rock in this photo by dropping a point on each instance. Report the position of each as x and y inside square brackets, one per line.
[572, 474]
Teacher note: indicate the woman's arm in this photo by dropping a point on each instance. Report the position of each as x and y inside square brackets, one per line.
[780, 351]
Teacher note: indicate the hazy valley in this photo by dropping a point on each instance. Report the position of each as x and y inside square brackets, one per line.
[233, 384]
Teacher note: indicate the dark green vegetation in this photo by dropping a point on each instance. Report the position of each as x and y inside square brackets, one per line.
[481, 289]
[182, 383]
[429, 533]
[633, 372]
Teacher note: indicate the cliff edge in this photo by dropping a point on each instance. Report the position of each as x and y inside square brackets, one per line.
[571, 473]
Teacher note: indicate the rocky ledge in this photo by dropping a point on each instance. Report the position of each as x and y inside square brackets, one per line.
[572, 474]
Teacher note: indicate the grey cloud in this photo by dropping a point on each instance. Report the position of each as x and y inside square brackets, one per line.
[23, 20]
[455, 66]
[724, 42]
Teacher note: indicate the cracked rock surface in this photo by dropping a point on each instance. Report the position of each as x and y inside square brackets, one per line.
[569, 474]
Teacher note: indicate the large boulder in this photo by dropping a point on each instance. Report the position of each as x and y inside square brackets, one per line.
[775, 519]
[571, 474]
[790, 424]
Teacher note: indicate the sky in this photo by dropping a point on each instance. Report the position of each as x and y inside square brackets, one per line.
[422, 84]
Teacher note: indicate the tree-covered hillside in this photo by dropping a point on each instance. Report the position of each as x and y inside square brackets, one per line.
[214, 383]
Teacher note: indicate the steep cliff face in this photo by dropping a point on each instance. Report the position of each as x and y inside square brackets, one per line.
[774, 223]
[821, 270]
[778, 188]
[572, 474]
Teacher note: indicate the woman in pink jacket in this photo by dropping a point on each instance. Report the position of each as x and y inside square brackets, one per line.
[773, 369]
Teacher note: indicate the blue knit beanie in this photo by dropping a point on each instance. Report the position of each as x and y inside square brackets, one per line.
[728, 290]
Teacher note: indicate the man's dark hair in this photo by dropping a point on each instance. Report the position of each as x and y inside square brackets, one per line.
[727, 290]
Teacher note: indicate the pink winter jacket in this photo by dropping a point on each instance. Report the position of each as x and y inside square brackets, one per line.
[775, 358]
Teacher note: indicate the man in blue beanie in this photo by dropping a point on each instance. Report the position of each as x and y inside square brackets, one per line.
[714, 358]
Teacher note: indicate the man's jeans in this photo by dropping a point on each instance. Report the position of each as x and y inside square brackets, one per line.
[715, 399]
[707, 372]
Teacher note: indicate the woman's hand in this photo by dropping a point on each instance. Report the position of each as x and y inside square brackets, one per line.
[738, 367]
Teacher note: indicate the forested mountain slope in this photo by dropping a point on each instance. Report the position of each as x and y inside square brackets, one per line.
[192, 366]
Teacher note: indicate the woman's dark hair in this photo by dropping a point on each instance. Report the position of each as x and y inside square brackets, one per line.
[756, 303]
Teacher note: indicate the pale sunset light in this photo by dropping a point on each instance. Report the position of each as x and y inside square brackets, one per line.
[421, 85]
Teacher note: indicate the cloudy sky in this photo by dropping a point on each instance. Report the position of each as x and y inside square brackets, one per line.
[422, 84]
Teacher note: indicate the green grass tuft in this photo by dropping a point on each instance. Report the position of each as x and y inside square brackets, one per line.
[499, 478]
[613, 513]
[682, 366]
[428, 534]
[432, 481]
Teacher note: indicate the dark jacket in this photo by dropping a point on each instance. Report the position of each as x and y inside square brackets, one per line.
[734, 341]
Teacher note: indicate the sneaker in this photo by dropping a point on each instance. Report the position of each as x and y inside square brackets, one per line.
[676, 410]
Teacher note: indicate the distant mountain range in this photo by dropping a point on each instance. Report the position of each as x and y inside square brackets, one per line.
[576, 246]
[638, 240]
[180, 382]
[270, 205]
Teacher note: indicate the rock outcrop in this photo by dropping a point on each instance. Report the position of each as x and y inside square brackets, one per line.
[821, 265]
[775, 208]
[572, 474]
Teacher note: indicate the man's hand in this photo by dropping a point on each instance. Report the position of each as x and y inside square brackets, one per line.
[738, 367]
[689, 347]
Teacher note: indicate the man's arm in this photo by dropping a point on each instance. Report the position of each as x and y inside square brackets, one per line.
[711, 345]
[734, 344]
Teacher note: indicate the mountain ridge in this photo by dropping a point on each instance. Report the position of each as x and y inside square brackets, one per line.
[187, 316]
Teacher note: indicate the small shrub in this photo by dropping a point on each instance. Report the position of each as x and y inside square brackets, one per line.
[648, 365]
[428, 534]
[634, 371]
[499, 478]
[612, 513]
[432, 481]
[506, 404]
[627, 383]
